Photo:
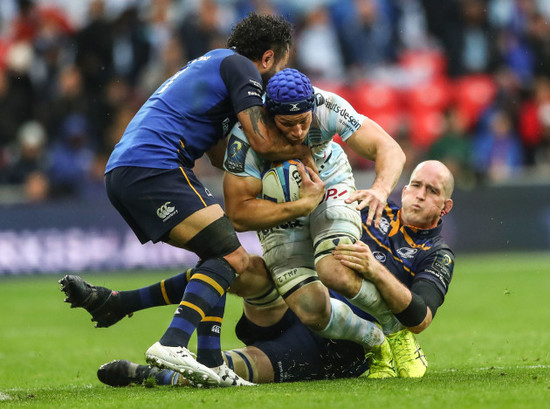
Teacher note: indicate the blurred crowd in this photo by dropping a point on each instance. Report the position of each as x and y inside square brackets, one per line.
[463, 81]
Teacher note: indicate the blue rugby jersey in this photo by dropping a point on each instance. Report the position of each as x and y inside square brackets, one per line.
[190, 112]
[409, 253]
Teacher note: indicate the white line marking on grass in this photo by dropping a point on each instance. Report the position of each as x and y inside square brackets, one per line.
[490, 368]
[4, 397]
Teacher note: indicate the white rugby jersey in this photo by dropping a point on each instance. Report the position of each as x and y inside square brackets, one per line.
[333, 115]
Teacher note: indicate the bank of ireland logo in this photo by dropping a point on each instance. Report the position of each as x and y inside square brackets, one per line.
[166, 211]
[406, 252]
[378, 255]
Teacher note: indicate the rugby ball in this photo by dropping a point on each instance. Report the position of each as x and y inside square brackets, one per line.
[282, 182]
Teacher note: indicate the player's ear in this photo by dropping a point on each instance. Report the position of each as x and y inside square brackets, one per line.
[448, 205]
[268, 59]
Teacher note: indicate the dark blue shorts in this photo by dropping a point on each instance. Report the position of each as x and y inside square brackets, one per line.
[154, 201]
[297, 354]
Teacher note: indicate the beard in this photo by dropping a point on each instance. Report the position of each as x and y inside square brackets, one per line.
[266, 76]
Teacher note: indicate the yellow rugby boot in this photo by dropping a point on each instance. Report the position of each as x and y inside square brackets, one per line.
[381, 362]
[410, 361]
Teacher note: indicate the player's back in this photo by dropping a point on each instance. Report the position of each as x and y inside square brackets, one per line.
[187, 115]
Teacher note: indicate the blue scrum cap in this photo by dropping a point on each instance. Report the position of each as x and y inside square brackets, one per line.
[289, 92]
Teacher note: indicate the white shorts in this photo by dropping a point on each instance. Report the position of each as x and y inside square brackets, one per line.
[292, 250]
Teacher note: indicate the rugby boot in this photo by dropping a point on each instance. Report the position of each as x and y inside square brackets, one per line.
[123, 373]
[229, 378]
[102, 303]
[410, 361]
[181, 359]
[381, 362]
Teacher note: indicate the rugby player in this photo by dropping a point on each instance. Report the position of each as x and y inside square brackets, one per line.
[407, 260]
[405, 257]
[150, 181]
[297, 240]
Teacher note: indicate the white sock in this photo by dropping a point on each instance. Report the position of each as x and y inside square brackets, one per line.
[344, 324]
[370, 300]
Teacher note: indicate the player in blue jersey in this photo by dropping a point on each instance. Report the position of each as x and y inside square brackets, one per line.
[407, 260]
[150, 181]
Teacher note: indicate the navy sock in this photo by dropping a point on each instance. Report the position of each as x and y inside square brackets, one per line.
[164, 292]
[205, 288]
[208, 336]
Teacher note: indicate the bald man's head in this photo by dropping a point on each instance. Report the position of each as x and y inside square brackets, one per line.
[438, 168]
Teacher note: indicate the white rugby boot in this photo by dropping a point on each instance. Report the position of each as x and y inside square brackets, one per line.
[181, 359]
[229, 378]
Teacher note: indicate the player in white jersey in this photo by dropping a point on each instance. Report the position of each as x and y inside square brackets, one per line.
[298, 237]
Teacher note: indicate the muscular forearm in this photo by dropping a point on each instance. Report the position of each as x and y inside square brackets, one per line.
[258, 214]
[389, 165]
[398, 297]
[373, 143]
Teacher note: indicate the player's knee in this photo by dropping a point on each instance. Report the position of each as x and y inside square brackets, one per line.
[240, 260]
[220, 270]
[337, 277]
[219, 239]
[342, 281]
[313, 309]
[254, 281]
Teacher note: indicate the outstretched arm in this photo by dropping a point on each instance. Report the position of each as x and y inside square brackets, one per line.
[372, 142]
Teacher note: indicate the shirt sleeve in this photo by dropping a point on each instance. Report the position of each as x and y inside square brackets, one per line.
[338, 116]
[240, 159]
[437, 268]
[243, 82]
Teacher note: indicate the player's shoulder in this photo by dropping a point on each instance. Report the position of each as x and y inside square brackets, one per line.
[230, 57]
[239, 156]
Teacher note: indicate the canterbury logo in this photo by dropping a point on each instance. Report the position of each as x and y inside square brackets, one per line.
[166, 211]
[294, 107]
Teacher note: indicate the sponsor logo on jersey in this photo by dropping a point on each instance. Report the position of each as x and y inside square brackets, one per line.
[334, 193]
[378, 255]
[236, 155]
[384, 226]
[262, 234]
[350, 120]
[208, 192]
[235, 148]
[225, 126]
[287, 276]
[166, 211]
[216, 329]
[406, 252]
[256, 84]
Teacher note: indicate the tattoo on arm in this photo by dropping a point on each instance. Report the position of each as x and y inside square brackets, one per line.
[256, 115]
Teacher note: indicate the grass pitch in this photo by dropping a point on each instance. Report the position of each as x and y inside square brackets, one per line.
[489, 347]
